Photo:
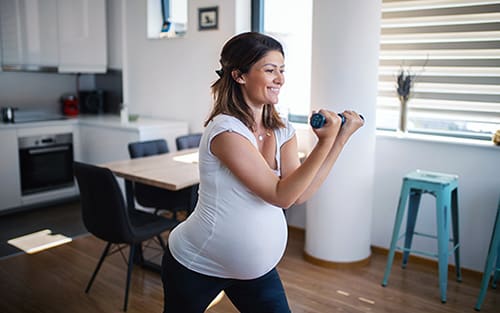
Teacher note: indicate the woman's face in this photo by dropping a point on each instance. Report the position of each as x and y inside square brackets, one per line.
[261, 84]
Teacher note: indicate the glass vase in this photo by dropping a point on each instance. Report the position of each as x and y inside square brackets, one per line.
[403, 115]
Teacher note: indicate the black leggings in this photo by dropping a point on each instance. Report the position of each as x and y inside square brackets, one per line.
[186, 291]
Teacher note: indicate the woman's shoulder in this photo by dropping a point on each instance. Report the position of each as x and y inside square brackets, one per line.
[224, 122]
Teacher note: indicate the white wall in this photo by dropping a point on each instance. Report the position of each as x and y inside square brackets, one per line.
[38, 91]
[171, 78]
[478, 191]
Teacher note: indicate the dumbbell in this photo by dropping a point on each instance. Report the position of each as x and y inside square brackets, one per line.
[318, 120]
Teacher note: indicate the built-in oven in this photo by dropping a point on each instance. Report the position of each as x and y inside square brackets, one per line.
[46, 162]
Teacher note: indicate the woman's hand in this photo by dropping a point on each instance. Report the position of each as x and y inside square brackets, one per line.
[353, 121]
[331, 127]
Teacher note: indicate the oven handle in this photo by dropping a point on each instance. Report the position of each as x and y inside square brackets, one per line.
[45, 150]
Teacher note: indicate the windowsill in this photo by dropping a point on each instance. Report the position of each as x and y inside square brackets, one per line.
[438, 139]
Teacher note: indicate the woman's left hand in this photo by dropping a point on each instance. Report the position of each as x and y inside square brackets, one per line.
[353, 121]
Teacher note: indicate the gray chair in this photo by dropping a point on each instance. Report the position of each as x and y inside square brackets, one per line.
[155, 197]
[106, 216]
[188, 141]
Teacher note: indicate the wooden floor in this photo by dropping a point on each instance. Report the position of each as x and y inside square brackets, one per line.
[54, 280]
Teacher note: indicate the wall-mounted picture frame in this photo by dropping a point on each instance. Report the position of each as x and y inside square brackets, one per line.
[208, 18]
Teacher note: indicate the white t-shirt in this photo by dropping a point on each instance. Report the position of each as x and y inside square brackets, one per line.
[232, 233]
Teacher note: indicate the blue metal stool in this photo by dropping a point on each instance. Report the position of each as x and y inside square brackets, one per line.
[444, 188]
[493, 254]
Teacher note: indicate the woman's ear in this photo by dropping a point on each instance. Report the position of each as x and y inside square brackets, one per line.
[237, 76]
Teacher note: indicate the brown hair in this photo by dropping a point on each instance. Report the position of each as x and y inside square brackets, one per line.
[240, 53]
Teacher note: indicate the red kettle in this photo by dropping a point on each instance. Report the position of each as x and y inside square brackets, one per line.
[70, 105]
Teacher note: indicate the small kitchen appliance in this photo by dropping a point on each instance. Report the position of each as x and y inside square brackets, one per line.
[70, 105]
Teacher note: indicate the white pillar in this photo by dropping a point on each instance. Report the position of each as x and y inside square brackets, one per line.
[346, 35]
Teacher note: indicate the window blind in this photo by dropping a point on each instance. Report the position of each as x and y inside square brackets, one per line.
[453, 49]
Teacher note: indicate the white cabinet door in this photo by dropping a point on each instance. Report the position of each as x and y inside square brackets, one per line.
[10, 183]
[82, 36]
[115, 24]
[42, 38]
[29, 33]
[10, 32]
[101, 145]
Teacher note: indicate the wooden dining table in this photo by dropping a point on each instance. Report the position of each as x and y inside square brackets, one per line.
[172, 171]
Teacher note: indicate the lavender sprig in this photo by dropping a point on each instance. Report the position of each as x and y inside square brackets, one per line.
[404, 84]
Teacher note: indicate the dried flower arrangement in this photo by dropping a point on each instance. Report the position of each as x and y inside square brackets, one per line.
[404, 83]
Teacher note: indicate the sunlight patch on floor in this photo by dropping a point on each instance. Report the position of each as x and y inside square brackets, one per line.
[217, 299]
[38, 241]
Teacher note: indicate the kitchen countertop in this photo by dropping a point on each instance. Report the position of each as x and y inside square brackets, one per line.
[109, 121]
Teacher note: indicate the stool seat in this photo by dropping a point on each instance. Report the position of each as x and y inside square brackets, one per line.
[432, 177]
[444, 187]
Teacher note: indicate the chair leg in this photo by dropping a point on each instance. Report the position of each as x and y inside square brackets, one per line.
[98, 267]
[395, 232]
[456, 235]
[129, 275]
[415, 196]
[162, 242]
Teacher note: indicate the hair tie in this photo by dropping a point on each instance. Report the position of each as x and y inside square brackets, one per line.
[220, 72]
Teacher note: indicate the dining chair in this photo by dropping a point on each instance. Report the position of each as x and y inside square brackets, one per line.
[188, 141]
[105, 215]
[155, 197]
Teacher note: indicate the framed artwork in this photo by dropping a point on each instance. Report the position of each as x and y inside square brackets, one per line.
[208, 18]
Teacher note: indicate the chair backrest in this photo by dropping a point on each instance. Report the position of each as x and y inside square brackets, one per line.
[147, 148]
[188, 141]
[104, 211]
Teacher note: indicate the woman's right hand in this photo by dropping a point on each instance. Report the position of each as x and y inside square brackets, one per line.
[331, 127]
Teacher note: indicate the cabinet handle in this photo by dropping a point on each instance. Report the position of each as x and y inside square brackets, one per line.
[45, 150]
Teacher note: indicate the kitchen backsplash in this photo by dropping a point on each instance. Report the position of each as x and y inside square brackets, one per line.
[43, 91]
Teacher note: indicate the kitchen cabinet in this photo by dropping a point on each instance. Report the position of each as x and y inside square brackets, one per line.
[29, 34]
[106, 139]
[96, 140]
[82, 36]
[67, 35]
[115, 24]
[10, 184]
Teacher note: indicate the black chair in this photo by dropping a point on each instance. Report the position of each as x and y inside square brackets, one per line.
[188, 141]
[155, 197]
[105, 215]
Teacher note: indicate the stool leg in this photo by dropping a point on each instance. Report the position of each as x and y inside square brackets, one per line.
[443, 229]
[415, 196]
[456, 239]
[493, 250]
[395, 232]
[497, 269]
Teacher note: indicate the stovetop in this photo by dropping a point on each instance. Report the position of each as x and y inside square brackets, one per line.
[28, 116]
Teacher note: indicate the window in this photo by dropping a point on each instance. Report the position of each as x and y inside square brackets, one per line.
[292, 26]
[453, 48]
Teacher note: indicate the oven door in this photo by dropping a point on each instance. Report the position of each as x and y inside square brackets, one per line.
[46, 168]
